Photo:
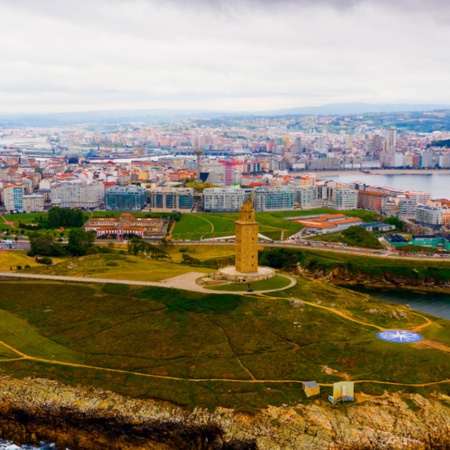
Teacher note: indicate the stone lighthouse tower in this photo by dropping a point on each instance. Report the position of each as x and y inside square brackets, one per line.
[246, 269]
[247, 240]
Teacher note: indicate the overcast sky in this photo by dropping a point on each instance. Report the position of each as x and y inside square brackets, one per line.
[77, 55]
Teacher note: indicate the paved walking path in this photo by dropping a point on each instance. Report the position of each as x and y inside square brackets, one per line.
[186, 282]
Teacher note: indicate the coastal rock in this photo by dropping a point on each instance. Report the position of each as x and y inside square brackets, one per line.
[88, 418]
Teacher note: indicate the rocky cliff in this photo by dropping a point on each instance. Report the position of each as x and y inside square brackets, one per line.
[81, 418]
[406, 277]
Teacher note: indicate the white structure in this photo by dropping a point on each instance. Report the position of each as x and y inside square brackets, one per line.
[33, 203]
[406, 207]
[344, 198]
[13, 198]
[216, 199]
[307, 197]
[76, 194]
[429, 216]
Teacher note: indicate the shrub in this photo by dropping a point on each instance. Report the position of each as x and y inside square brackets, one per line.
[19, 267]
[45, 260]
[112, 263]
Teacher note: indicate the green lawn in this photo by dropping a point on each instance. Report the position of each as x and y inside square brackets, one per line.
[116, 267]
[286, 335]
[277, 282]
[271, 224]
[210, 225]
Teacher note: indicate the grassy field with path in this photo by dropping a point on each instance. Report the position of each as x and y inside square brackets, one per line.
[207, 350]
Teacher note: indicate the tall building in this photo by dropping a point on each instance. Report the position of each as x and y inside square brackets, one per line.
[247, 239]
[125, 198]
[391, 142]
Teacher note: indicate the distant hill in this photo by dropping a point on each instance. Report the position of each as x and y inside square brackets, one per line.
[357, 108]
[155, 116]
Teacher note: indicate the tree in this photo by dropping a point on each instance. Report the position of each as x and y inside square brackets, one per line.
[40, 244]
[399, 224]
[80, 241]
[63, 217]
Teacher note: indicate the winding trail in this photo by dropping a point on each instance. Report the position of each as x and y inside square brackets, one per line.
[198, 380]
[212, 227]
[252, 379]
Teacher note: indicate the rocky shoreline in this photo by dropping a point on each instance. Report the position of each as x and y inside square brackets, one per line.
[33, 410]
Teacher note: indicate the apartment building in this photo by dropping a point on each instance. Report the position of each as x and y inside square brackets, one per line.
[273, 199]
[125, 198]
[33, 203]
[344, 198]
[77, 194]
[13, 198]
[217, 199]
[171, 199]
[429, 216]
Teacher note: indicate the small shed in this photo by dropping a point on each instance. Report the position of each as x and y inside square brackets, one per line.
[310, 388]
[343, 391]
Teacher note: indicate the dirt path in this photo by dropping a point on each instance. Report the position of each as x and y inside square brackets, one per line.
[6, 222]
[212, 227]
[22, 356]
[197, 380]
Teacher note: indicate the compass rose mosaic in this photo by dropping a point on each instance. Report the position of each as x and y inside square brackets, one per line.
[399, 336]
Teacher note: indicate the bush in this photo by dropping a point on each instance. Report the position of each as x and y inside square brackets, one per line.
[112, 263]
[19, 267]
[45, 260]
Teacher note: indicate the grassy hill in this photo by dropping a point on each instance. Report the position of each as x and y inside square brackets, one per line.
[116, 267]
[206, 350]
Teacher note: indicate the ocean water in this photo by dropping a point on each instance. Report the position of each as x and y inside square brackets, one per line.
[438, 185]
[435, 303]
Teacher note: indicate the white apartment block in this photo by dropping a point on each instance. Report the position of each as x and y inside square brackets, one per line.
[13, 198]
[307, 197]
[33, 203]
[344, 198]
[420, 197]
[77, 194]
[429, 216]
[406, 208]
[216, 199]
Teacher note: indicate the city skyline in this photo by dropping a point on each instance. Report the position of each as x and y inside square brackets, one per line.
[217, 55]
